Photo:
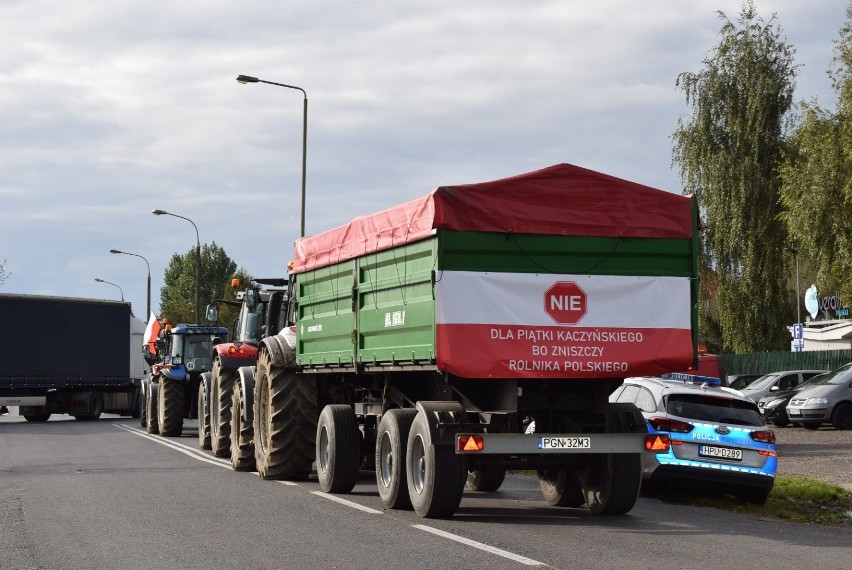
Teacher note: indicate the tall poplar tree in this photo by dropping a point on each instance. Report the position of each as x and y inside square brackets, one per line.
[817, 175]
[177, 297]
[729, 153]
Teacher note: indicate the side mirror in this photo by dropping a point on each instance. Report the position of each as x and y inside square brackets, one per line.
[251, 299]
[774, 389]
[217, 340]
[212, 312]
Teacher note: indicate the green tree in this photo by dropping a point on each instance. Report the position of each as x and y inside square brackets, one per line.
[729, 153]
[817, 178]
[177, 297]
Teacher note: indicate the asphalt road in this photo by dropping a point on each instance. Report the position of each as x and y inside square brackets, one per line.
[105, 495]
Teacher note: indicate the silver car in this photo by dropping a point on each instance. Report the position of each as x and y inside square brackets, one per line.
[829, 399]
[778, 382]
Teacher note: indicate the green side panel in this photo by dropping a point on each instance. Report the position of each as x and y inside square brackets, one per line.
[528, 253]
[324, 316]
[396, 304]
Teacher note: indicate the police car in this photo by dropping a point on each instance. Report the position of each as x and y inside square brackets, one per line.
[711, 437]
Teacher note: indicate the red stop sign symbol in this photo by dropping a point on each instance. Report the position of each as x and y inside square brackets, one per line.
[565, 302]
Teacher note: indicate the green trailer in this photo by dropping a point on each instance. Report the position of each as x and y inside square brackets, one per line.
[426, 337]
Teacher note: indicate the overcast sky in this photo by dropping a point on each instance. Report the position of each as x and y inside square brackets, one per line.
[110, 109]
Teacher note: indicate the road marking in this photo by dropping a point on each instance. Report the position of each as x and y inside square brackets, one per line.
[493, 550]
[347, 503]
[185, 449]
[200, 455]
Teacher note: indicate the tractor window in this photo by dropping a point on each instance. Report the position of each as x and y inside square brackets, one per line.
[249, 325]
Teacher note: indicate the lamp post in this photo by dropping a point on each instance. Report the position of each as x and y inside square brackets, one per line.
[148, 313]
[197, 258]
[795, 252]
[248, 79]
[99, 280]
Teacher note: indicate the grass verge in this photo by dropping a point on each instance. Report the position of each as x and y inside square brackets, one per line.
[792, 498]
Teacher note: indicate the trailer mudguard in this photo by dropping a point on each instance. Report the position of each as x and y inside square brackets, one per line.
[245, 376]
[438, 413]
[282, 348]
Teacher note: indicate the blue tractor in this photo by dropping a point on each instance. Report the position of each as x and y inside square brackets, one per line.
[185, 352]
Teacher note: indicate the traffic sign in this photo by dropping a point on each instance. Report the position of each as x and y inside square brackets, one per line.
[565, 302]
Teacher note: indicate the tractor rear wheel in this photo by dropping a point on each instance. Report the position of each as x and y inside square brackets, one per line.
[170, 408]
[221, 394]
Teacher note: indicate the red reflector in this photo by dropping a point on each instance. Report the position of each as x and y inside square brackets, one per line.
[767, 453]
[657, 442]
[471, 443]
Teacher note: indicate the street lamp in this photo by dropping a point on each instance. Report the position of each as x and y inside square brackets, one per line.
[99, 280]
[197, 258]
[795, 252]
[248, 79]
[148, 313]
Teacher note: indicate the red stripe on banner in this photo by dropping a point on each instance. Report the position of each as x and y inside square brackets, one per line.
[517, 351]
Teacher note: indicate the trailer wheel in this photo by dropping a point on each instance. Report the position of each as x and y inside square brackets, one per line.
[170, 407]
[436, 475]
[242, 435]
[37, 417]
[151, 420]
[561, 488]
[203, 418]
[611, 484]
[96, 408]
[486, 480]
[285, 416]
[338, 449]
[221, 394]
[391, 444]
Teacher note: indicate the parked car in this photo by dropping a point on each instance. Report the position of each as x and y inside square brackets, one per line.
[718, 439]
[778, 382]
[740, 381]
[773, 406]
[828, 399]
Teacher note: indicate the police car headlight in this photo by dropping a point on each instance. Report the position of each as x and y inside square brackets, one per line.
[817, 400]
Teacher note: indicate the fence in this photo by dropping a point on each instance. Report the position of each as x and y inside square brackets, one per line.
[765, 362]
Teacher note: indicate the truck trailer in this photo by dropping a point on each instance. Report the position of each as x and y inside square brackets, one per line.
[93, 363]
[426, 338]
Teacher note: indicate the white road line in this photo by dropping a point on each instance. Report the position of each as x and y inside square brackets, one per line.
[289, 483]
[347, 503]
[493, 550]
[185, 449]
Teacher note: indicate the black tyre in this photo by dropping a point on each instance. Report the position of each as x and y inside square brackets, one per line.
[96, 408]
[151, 421]
[136, 410]
[203, 418]
[611, 484]
[242, 435]
[37, 417]
[170, 408]
[842, 416]
[221, 396]
[285, 416]
[754, 496]
[561, 488]
[338, 449]
[811, 425]
[436, 475]
[391, 444]
[486, 480]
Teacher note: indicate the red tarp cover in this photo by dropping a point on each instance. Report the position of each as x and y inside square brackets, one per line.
[559, 200]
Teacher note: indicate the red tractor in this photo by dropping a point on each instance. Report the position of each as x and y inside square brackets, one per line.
[258, 311]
